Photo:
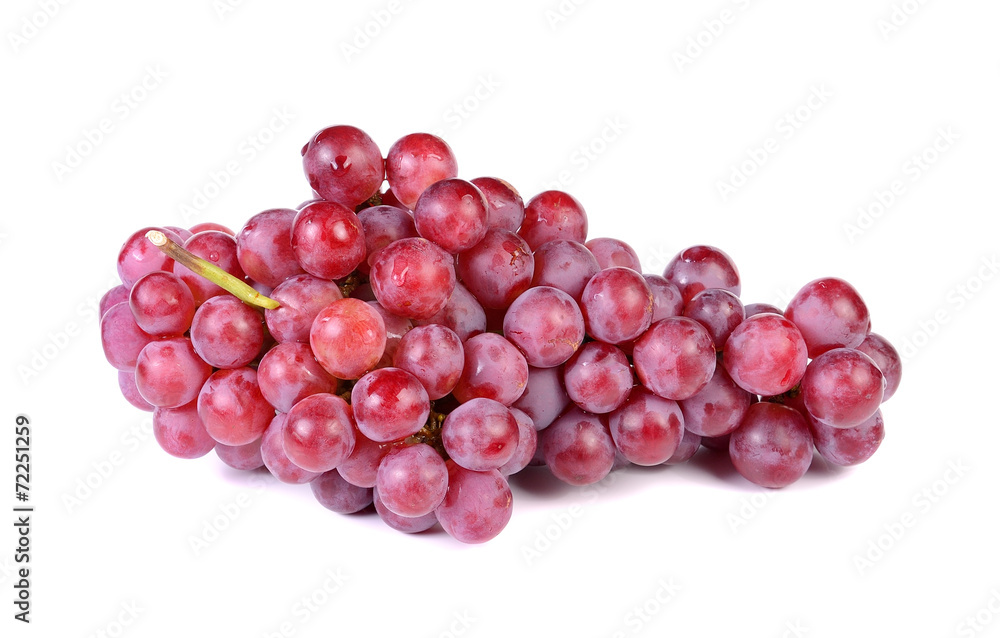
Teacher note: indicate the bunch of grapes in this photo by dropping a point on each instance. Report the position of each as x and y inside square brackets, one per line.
[409, 340]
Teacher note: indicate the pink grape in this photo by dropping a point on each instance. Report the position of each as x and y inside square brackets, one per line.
[505, 203]
[302, 297]
[162, 304]
[611, 253]
[328, 240]
[477, 505]
[598, 378]
[497, 269]
[647, 429]
[264, 247]
[842, 387]
[546, 325]
[180, 432]
[343, 164]
[138, 256]
[848, 446]
[689, 445]
[667, 300]
[453, 214]
[720, 311]
[395, 328]
[494, 369]
[272, 451]
[226, 332]
[126, 383]
[544, 396]
[830, 314]
[361, 466]
[203, 226]
[232, 407]
[578, 448]
[617, 305]
[434, 355]
[766, 355]
[463, 313]
[566, 265]
[241, 457]
[416, 161]
[718, 408]
[348, 338]
[288, 373]
[675, 358]
[773, 446]
[413, 277]
[699, 267]
[405, 524]
[113, 297]
[886, 358]
[481, 434]
[383, 225]
[553, 214]
[217, 248]
[318, 434]
[121, 337]
[337, 495]
[389, 404]
[169, 373]
[761, 308]
[412, 480]
[527, 443]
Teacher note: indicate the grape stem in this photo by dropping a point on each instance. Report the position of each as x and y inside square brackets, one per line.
[209, 271]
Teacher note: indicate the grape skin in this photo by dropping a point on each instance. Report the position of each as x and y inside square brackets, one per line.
[842, 387]
[328, 240]
[405, 524]
[169, 373]
[848, 446]
[348, 338]
[617, 305]
[830, 314]
[412, 480]
[302, 297]
[434, 355]
[675, 358]
[416, 161]
[550, 215]
[138, 256]
[718, 408]
[506, 208]
[413, 278]
[162, 304]
[598, 378]
[773, 446]
[121, 337]
[566, 265]
[699, 267]
[180, 432]
[611, 253]
[453, 214]
[578, 448]
[887, 359]
[766, 355]
[546, 325]
[272, 451]
[481, 434]
[343, 164]
[289, 373]
[389, 404]
[232, 407]
[497, 269]
[647, 429]
[337, 495]
[544, 397]
[264, 247]
[494, 369]
[318, 433]
[241, 457]
[219, 249]
[227, 333]
[477, 506]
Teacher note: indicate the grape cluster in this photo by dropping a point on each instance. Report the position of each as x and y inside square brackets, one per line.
[428, 337]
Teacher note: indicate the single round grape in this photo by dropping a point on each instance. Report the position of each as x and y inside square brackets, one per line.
[546, 325]
[416, 161]
[383, 225]
[830, 314]
[126, 383]
[405, 524]
[720, 311]
[241, 457]
[389, 404]
[272, 451]
[336, 494]
[765, 355]
[288, 373]
[689, 445]
[718, 408]
[180, 432]
[598, 378]
[318, 434]
[226, 332]
[169, 373]
[121, 337]
[842, 387]
[667, 299]
[264, 247]
[544, 396]
[551, 215]
[413, 277]
[647, 429]
[494, 369]
[612, 253]
[343, 164]
[412, 480]
[113, 297]
[617, 305]
[578, 448]
[463, 313]
[301, 298]
[232, 407]
[505, 203]
[361, 466]
[887, 359]
[434, 355]
[480, 434]
[217, 248]
[699, 267]
[773, 446]
[527, 443]
[566, 265]
[348, 338]
[497, 269]
[477, 506]
[848, 446]
[138, 256]
[162, 304]
[453, 214]
[328, 240]
[675, 358]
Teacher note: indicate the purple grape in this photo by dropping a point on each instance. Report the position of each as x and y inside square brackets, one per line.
[348, 338]
[264, 247]
[453, 214]
[887, 359]
[226, 332]
[848, 446]
[336, 494]
[389, 404]
[412, 480]
[598, 378]
[463, 314]
[527, 443]
[121, 337]
[647, 429]
[162, 304]
[505, 203]
[383, 225]
[494, 369]
[699, 267]
[766, 355]
[830, 314]
[480, 434]
[718, 408]
[343, 164]
[395, 328]
[416, 161]
[361, 466]
[497, 269]
[773, 446]
[289, 373]
[217, 248]
[617, 305]
[241, 457]
[566, 265]
[720, 311]
[138, 256]
[328, 240]
[667, 299]
[272, 451]
[302, 297]
[675, 358]
[761, 308]
[113, 297]
[613, 253]
[413, 278]
[434, 355]
[180, 432]
[842, 388]
[477, 506]
[318, 434]
[689, 445]
[553, 215]
[405, 524]
[578, 448]
[232, 407]
[544, 396]
[169, 373]
[126, 383]
[546, 325]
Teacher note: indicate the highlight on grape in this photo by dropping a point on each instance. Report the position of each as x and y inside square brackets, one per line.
[406, 340]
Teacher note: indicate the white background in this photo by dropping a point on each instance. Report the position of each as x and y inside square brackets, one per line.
[691, 550]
